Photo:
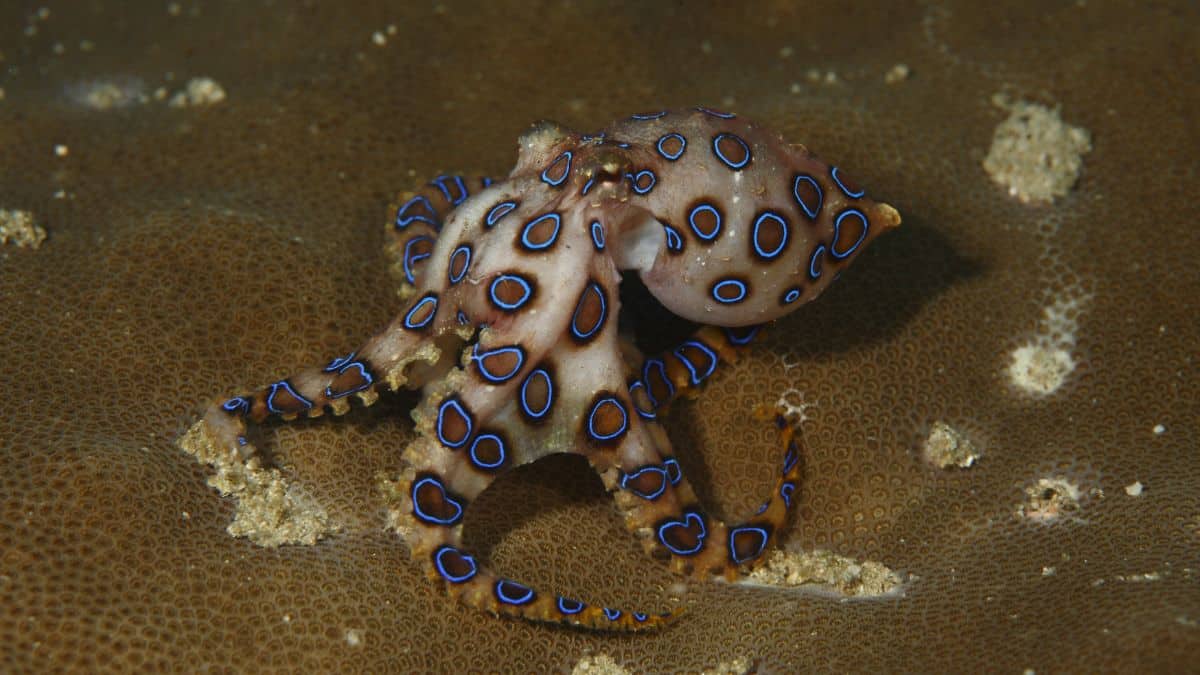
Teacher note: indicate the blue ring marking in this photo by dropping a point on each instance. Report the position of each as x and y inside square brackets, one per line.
[437, 183]
[644, 414]
[622, 145]
[498, 211]
[411, 260]
[736, 166]
[649, 468]
[685, 523]
[479, 462]
[486, 181]
[462, 318]
[453, 403]
[498, 378]
[769, 255]
[692, 221]
[462, 190]
[674, 473]
[648, 116]
[833, 172]
[464, 250]
[284, 384]
[512, 593]
[553, 215]
[696, 377]
[742, 340]
[639, 617]
[445, 573]
[591, 426]
[403, 220]
[635, 178]
[598, 235]
[564, 157]
[537, 414]
[791, 296]
[592, 286]
[587, 187]
[667, 155]
[362, 370]
[408, 322]
[662, 370]
[790, 458]
[338, 362]
[440, 183]
[786, 491]
[837, 226]
[241, 440]
[763, 507]
[761, 532]
[238, 405]
[419, 513]
[811, 211]
[674, 241]
[514, 305]
[814, 263]
[736, 283]
[611, 614]
[568, 606]
[716, 113]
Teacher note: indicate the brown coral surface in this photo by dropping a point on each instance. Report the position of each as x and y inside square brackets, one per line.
[212, 178]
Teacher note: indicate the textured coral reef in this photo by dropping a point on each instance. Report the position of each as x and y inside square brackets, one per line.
[200, 243]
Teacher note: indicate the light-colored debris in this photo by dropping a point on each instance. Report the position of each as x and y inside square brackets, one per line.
[1134, 489]
[600, 664]
[945, 447]
[108, 94]
[1054, 498]
[1041, 366]
[897, 73]
[739, 666]
[270, 511]
[19, 228]
[198, 91]
[1035, 155]
[849, 577]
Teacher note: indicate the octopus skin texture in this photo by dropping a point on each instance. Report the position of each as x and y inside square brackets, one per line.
[510, 330]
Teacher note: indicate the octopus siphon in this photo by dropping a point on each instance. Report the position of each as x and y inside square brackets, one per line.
[510, 331]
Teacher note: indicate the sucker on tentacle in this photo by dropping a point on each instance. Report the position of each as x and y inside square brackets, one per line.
[510, 330]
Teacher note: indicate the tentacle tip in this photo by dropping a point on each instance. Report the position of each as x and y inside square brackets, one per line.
[891, 217]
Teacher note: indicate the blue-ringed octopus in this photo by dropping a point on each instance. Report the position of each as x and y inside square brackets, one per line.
[510, 330]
